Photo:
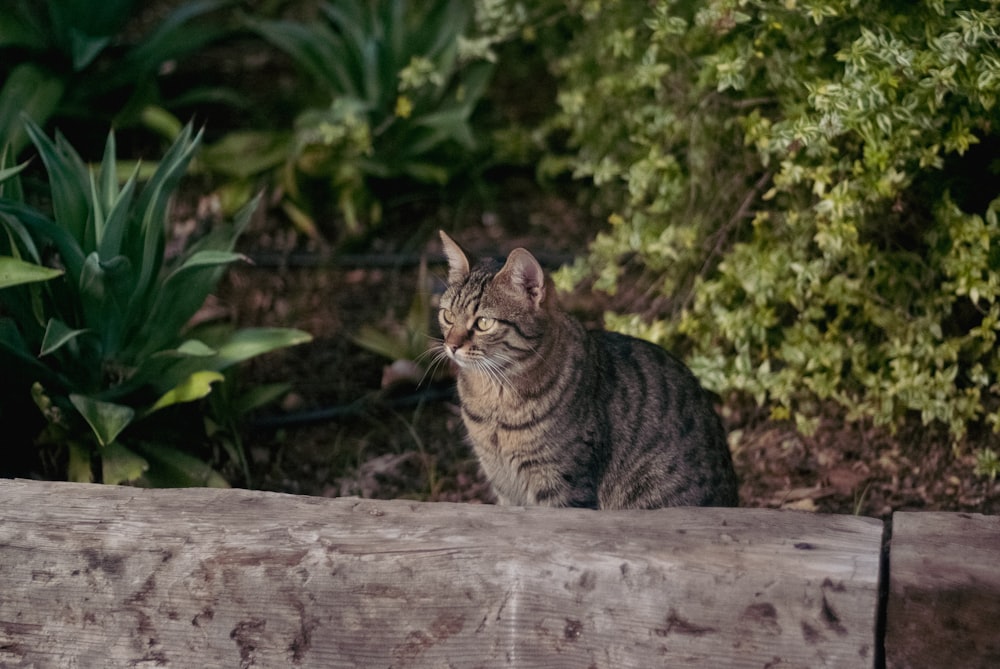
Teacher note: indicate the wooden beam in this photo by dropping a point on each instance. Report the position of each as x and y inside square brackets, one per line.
[120, 577]
[944, 591]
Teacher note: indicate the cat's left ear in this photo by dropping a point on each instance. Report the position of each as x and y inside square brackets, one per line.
[525, 275]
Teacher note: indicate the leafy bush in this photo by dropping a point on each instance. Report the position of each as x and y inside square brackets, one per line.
[394, 98]
[93, 313]
[811, 189]
[68, 58]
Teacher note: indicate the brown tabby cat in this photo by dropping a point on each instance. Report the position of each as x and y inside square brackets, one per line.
[560, 416]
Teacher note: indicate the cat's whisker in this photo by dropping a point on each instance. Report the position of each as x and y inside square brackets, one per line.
[433, 344]
[484, 368]
[436, 355]
[497, 374]
[537, 354]
[504, 357]
[434, 351]
[439, 358]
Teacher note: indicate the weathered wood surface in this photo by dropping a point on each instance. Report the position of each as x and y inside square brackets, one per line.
[94, 576]
[944, 591]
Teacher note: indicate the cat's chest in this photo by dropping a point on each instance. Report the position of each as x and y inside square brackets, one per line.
[503, 454]
[498, 420]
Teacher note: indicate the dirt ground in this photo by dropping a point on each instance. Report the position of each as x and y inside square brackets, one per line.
[339, 432]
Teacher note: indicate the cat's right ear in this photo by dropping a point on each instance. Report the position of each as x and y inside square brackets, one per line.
[458, 264]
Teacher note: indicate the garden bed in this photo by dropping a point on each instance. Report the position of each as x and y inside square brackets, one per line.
[339, 431]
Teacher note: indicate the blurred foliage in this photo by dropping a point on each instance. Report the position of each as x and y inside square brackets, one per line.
[71, 59]
[987, 464]
[406, 342]
[94, 316]
[390, 95]
[811, 187]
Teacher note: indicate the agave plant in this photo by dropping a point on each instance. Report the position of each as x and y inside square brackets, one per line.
[93, 314]
[392, 98]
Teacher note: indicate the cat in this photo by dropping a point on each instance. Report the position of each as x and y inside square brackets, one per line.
[561, 416]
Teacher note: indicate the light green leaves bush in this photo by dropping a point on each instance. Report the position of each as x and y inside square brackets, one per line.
[802, 181]
[93, 313]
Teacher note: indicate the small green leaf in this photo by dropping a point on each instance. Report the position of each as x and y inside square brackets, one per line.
[162, 122]
[171, 468]
[120, 465]
[209, 258]
[57, 335]
[243, 154]
[261, 395]
[79, 470]
[106, 419]
[251, 342]
[14, 272]
[196, 348]
[391, 346]
[10, 172]
[194, 387]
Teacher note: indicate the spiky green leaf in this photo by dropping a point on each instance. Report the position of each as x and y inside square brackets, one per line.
[68, 181]
[151, 211]
[57, 335]
[14, 272]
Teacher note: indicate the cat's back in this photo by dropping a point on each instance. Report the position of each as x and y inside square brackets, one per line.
[670, 446]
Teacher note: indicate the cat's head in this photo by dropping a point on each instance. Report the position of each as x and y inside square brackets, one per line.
[492, 316]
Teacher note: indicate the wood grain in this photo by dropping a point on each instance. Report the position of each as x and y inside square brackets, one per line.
[944, 591]
[120, 577]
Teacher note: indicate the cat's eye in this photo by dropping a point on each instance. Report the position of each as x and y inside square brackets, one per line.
[447, 316]
[483, 323]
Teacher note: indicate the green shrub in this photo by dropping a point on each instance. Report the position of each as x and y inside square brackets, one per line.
[94, 314]
[810, 186]
[390, 96]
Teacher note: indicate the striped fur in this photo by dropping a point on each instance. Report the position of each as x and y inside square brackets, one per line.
[559, 416]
